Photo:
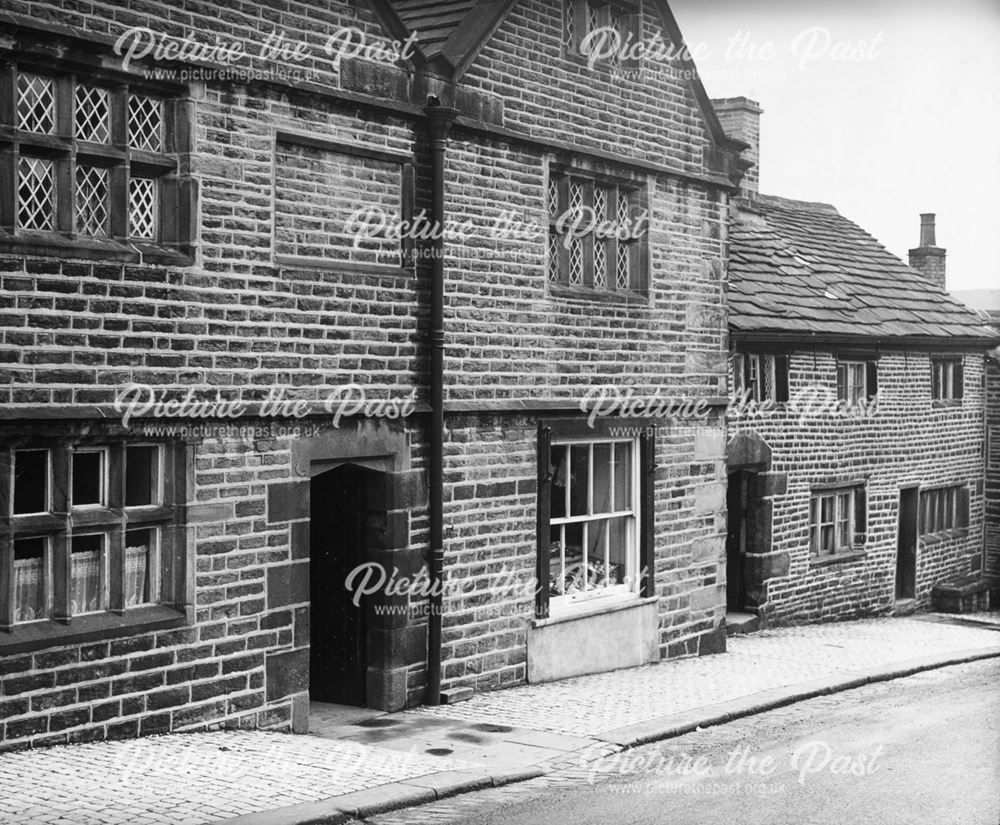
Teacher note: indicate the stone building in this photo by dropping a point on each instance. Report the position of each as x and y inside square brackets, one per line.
[290, 299]
[855, 457]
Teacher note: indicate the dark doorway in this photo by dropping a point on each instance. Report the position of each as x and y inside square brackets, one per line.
[906, 545]
[338, 653]
[736, 541]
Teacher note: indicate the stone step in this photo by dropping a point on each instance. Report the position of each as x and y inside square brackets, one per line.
[741, 623]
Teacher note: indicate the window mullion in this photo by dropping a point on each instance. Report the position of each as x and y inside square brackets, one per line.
[6, 578]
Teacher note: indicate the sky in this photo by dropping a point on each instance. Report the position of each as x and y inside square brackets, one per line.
[884, 108]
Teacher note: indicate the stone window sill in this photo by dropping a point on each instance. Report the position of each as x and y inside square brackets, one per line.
[56, 245]
[945, 535]
[629, 298]
[580, 610]
[26, 638]
[837, 558]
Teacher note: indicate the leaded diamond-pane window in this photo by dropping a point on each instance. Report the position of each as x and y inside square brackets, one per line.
[144, 123]
[92, 201]
[36, 103]
[142, 208]
[35, 193]
[601, 227]
[93, 114]
[93, 162]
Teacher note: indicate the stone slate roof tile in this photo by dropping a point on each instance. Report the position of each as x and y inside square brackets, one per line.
[802, 267]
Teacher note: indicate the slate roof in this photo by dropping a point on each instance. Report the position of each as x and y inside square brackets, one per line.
[434, 22]
[803, 269]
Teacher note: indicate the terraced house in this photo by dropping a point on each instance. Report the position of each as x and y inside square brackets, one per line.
[856, 467]
[236, 377]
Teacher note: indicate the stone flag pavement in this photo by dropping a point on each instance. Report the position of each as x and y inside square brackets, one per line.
[387, 761]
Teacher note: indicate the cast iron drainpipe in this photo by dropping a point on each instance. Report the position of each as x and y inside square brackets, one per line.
[439, 121]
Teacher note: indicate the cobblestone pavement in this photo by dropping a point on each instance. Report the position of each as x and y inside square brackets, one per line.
[188, 779]
[591, 705]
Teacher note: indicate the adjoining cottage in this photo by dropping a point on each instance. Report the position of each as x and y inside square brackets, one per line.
[856, 475]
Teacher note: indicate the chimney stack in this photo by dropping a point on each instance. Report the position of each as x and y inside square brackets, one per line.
[740, 119]
[928, 258]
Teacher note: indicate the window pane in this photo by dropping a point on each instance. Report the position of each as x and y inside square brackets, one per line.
[579, 479]
[86, 575]
[139, 549]
[623, 477]
[826, 538]
[619, 537]
[144, 121]
[29, 580]
[602, 478]
[559, 469]
[88, 478]
[827, 509]
[36, 193]
[92, 114]
[574, 579]
[92, 201]
[141, 476]
[36, 104]
[142, 208]
[31, 481]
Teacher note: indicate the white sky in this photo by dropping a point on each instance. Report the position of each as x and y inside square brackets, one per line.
[910, 128]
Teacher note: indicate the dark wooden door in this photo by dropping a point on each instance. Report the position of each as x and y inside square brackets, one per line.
[337, 626]
[906, 544]
[736, 506]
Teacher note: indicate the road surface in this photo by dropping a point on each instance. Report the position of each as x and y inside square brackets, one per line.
[925, 749]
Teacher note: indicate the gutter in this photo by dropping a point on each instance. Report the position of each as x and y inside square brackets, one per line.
[439, 121]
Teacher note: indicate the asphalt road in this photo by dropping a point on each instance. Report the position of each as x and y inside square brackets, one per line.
[925, 749]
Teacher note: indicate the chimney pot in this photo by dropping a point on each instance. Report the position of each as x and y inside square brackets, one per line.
[927, 230]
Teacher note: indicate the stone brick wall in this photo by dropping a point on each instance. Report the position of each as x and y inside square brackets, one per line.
[992, 555]
[909, 441]
[241, 322]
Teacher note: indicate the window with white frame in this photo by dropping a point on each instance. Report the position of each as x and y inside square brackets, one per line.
[597, 233]
[94, 160]
[88, 529]
[761, 376]
[837, 520]
[946, 379]
[943, 509]
[857, 380]
[593, 519]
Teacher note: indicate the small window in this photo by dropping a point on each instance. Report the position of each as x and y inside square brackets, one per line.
[600, 31]
[597, 234]
[857, 381]
[121, 548]
[592, 520]
[946, 379]
[89, 478]
[93, 163]
[761, 377]
[944, 509]
[837, 521]
[31, 482]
